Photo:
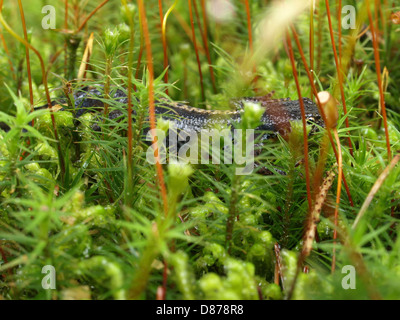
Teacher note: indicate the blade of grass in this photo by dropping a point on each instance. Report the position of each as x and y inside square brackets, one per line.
[375, 188]
[86, 57]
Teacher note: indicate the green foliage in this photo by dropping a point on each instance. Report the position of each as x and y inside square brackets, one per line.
[105, 228]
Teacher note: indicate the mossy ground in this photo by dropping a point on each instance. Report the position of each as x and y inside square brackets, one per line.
[77, 205]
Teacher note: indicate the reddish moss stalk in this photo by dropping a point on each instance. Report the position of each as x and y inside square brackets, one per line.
[303, 119]
[312, 45]
[338, 192]
[150, 253]
[339, 73]
[186, 28]
[204, 36]
[377, 10]
[152, 115]
[249, 31]
[91, 15]
[319, 36]
[296, 38]
[378, 73]
[66, 39]
[196, 50]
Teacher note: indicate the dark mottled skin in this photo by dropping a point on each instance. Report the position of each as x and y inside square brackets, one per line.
[276, 118]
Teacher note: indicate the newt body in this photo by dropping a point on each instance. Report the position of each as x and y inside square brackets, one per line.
[276, 118]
